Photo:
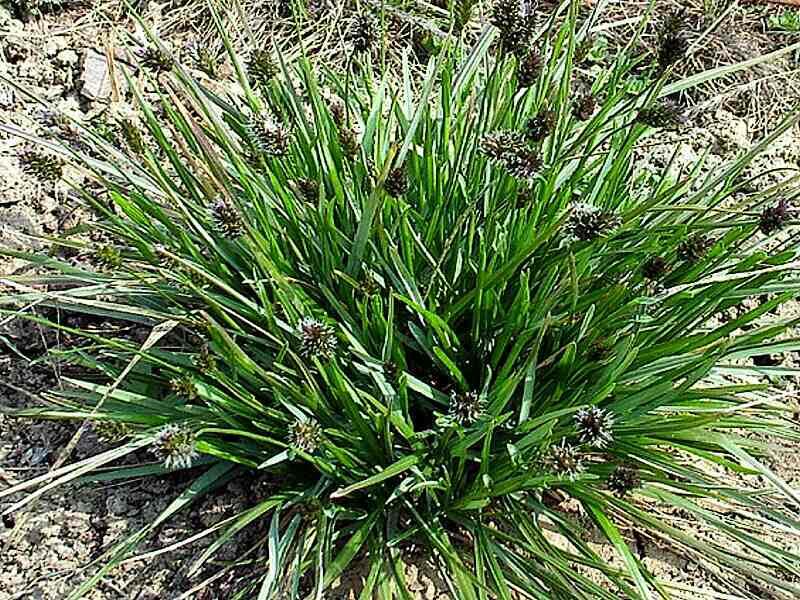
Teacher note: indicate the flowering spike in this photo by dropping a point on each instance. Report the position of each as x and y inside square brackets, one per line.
[316, 338]
[654, 268]
[226, 219]
[362, 35]
[694, 248]
[510, 150]
[673, 43]
[587, 223]
[396, 183]
[44, 166]
[465, 409]
[623, 479]
[595, 426]
[516, 21]
[184, 387]
[266, 135]
[529, 68]
[774, 217]
[175, 445]
[261, 68]
[305, 435]
[584, 107]
[565, 460]
[539, 127]
[663, 114]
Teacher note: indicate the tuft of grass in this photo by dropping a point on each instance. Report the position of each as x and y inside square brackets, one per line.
[431, 310]
[787, 20]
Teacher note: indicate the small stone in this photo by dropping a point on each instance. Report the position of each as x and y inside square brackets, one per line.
[67, 58]
[95, 76]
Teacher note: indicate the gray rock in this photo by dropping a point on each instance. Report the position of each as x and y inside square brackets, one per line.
[95, 78]
[67, 57]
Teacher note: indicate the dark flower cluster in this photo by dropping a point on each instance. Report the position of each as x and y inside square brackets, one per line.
[694, 248]
[466, 408]
[595, 426]
[623, 480]
[584, 107]
[316, 338]
[673, 42]
[774, 217]
[396, 183]
[664, 114]
[511, 150]
[362, 33]
[539, 127]
[157, 59]
[266, 135]
[261, 68]
[308, 189]
[43, 166]
[654, 268]
[564, 459]
[587, 223]
[529, 68]
[226, 219]
[305, 435]
[516, 20]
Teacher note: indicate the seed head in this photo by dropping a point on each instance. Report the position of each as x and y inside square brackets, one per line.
[673, 42]
[694, 248]
[665, 114]
[205, 360]
[305, 435]
[111, 431]
[529, 68]
[348, 141]
[261, 68]
[595, 426]
[510, 150]
[184, 387]
[466, 408]
[584, 107]
[391, 370]
[623, 479]
[43, 166]
[266, 135]
[564, 459]
[133, 136]
[362, 34]
[109, 257]
[774, 217]
[599, 349]
[316, 338]
[175, 445]
[396, 183]
[226, 219]
[516, 21]
[587, 223]
[338, 111]
[157, 59]
[539, 127]
[307, 188]
[204, 57]
[654, 268]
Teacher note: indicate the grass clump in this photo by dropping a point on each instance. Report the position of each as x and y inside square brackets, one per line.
[434, 329]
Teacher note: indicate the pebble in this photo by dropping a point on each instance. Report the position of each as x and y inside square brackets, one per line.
[96, 82]
[67, 57]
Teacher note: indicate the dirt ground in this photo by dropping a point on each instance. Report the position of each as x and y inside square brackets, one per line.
[46, 551]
